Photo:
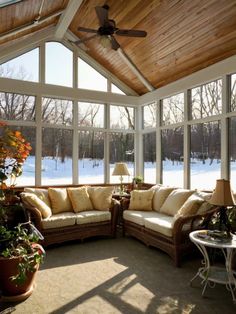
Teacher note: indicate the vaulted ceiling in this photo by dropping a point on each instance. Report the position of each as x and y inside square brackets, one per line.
[183, 36]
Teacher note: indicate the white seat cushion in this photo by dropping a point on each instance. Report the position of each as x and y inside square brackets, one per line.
[137, 216]
[91, 216]
[160, 223]
[59, 220]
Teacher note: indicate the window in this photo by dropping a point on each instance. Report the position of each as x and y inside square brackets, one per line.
[233, 93]
[173, 109]
[205, 161]
[89, 78]
[17, 107]
[149, 116]
[232, 152]
[116, 90]
[172, 142]
[91, 157]
[24, 67]
[206, 100]
[28, 175]
[149, 157]
[57, 111]
[121, 150]
[121, 117]
[59, 65]
[91, 115]
[56, 156]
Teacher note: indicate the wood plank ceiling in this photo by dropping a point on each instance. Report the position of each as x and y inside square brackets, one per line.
[184, 36]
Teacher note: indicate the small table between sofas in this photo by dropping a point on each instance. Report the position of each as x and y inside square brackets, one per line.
[215, 274]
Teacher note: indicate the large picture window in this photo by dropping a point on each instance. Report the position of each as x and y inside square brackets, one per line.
[57, 111]
[17, 107]
[172, 147]
[173, 109]
[233, 93]
[149, 157]
[56, 156]
[121, 117]
[207, 100]
[205, 162]
[91, 157]
[91, 115]
[149, 116]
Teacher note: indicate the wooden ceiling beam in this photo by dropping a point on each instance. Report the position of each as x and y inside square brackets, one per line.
[134, 69]
[66, 18]
[16, 48]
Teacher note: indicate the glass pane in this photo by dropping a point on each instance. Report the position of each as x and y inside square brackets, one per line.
[149, 116]
[173, 109]
[121, 117]
[89, 78]
[24, 67]
[149, 157]
[207, 100]
[172, 145]
[59, 65]
[232, 152]
[56, 156]
[57, 111]
[91, 157]
[205, 162]
[233, 92]
[17, 107]
[28, 175]
[121, 150]
[91, 115]
[115, 89]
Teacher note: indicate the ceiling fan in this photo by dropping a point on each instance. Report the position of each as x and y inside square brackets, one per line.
[107, 29]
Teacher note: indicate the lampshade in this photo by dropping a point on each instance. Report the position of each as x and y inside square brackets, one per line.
[120, 169]
[222, 195]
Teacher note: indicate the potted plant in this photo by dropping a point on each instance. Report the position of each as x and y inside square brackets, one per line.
[137, 182]
[20, 254]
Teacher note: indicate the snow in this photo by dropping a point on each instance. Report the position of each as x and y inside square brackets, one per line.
[203, 176]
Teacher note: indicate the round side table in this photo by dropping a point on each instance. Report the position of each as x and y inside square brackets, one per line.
[215, 274]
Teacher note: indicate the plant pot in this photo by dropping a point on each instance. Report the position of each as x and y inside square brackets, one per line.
[11, 291]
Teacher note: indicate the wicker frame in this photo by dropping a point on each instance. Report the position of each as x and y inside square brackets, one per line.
[75, 232]
[176, 246]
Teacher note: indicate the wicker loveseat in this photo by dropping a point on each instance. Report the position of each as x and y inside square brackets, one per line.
[74, 215]
[169, 216]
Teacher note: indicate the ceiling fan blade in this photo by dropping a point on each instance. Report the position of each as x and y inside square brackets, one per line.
[131, 33]
[114, 43]
[87, 30]
[102, 14]
[80, 41]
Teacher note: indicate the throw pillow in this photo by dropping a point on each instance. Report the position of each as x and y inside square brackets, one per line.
[80, 199]
[60, 200]
[160, 196]
[101, 197]
[190, 206]
[41, 193]
[141, 200]
[174, 201]
[35, 201]
[204, 208]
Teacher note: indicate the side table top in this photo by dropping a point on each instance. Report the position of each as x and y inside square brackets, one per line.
[202, 237]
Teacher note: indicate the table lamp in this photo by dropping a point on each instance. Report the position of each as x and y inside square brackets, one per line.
[222, 197]
[121, 170]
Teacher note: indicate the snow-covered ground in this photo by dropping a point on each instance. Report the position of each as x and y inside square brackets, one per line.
[203, 176]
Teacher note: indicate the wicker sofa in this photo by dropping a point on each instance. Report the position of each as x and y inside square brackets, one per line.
[170, 214]
[65, 219]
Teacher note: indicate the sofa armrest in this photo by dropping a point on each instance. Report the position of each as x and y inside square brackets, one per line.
[186, 224]
[34, 214]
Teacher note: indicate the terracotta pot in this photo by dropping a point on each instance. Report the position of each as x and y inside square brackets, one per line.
[9, 268]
